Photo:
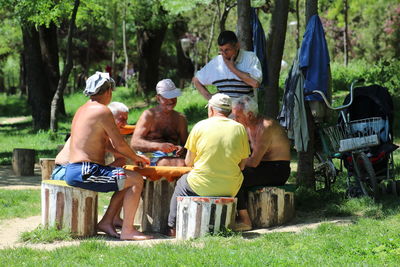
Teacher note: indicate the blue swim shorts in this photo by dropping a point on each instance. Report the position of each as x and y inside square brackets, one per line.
[156, 156]
[59, 172]
[95, 177]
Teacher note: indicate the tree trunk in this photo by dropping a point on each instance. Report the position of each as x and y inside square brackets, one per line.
[149, 47]
[243, 24]
[275, 46]
[345, 33]
[297, 24]
[38, 89]
[66, 71]
[115, 23]
[49, 48]
[305, 165]
[124, 46]
[185, 65]
[211, 38]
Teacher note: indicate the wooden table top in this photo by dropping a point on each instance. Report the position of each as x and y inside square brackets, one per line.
[154, 173]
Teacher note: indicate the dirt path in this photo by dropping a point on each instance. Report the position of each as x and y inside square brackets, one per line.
[11, 230]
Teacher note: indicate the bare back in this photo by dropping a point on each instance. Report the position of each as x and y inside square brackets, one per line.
[269, 142]
[88, 134]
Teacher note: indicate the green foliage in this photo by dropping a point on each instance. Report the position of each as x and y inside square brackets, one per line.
[13, 105]
[46, 235]
[19, 203]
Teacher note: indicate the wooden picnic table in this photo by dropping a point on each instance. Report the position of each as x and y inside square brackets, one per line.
[155, 173]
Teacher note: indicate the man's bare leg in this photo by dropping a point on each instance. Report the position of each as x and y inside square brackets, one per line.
[106, 223]
[131, 200]
[244, 217]
[117, 221]
[171, 162]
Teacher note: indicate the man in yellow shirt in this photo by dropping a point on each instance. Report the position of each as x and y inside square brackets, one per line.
[217, 148]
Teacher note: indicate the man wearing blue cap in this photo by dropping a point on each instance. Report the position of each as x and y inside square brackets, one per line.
[92, 126]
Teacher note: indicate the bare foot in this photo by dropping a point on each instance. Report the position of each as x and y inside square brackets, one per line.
[108, 229]
[134, 235]
[117, 222]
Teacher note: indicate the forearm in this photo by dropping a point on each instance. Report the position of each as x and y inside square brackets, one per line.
[245, 77]
[202, 89]
[144, 145]
[252, 161]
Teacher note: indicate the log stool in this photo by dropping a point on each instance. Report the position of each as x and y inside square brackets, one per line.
[23, 162]
[197, 216]
[47, 167]
[68, 207]
[271, 206]
[156, 199]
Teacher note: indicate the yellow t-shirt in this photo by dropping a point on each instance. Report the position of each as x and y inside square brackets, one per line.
[219, 144]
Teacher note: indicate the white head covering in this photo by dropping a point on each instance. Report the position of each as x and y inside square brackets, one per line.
[221, 101]
[94, 82]
[167, 89]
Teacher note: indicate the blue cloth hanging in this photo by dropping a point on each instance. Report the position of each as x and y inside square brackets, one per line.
[314, 59]
[259, 44]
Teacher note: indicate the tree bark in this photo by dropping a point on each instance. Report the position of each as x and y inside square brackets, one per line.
[244, 31]
[185, 66]
[275, 45]
[66, 71]
[38, 89]
[126, 65]
[49, 49]
[305, 166]
[345, 33]
[149, 47]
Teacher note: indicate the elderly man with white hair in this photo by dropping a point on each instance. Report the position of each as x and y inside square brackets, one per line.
[269, 163]
[217, 149]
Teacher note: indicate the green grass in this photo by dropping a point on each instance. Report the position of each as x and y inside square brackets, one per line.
[19, 203]
[366, 242]
[46, 235]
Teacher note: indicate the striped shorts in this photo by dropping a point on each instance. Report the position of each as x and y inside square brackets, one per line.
[95, 177]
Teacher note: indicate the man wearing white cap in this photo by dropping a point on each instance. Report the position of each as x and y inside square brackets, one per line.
[161, 131]
[217, 148]
[92, 126]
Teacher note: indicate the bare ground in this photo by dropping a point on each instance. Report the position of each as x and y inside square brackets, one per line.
[10, 230]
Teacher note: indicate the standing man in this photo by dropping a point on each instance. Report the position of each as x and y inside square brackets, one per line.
[161, 131]
[269, 163]
[92, 127]
[217, 147]
[234, 72]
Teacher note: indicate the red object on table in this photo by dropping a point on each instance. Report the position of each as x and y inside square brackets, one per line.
[155, 173]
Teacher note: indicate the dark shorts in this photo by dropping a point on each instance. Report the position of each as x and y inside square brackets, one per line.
[267, 173]
[95, 177]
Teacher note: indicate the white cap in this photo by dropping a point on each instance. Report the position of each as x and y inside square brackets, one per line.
[167, 89]
[221, 101]
[94, 82]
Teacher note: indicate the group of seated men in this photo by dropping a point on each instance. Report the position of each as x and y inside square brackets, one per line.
[233, 149]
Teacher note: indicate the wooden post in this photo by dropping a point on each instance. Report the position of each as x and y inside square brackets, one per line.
[67, 207]
[156, 199]
[47, 167]
[197, 216]
[270, 206]
[23, 162]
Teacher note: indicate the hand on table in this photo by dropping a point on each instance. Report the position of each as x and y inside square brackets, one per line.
[168, 147]
[141, 161]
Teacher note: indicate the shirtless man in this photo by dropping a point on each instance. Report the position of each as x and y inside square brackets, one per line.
[120, 114]
[161, 131]
[269, 163]
[92, 128]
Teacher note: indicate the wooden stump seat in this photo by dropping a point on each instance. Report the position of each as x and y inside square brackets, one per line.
[271, 206]
[23, 161]
[197, 216]
[68, 207]
[47, 167]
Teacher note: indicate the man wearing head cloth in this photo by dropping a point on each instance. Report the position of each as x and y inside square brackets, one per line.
[161, 131]
[92, 126]
[217, 148]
